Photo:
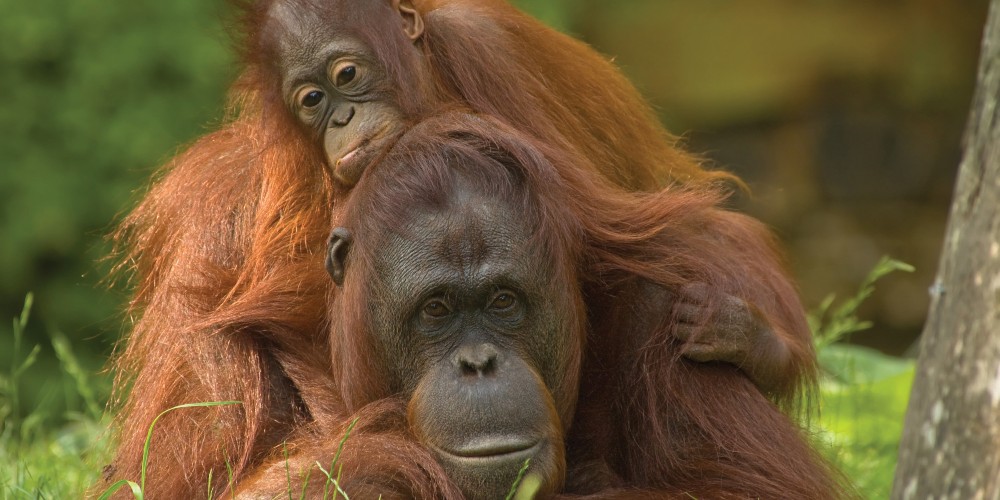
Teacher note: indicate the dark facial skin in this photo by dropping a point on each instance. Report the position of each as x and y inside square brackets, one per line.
[334, 84]
[463, 320]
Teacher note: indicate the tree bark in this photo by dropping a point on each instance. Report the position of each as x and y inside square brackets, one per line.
[951, 437]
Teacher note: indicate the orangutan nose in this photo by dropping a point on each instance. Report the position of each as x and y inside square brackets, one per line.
[342, 115]
[478, 360]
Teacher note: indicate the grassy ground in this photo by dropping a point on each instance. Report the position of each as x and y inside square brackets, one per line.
[44, 455]
[863, 396]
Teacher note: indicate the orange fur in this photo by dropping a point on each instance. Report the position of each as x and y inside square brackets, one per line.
[225, 250]
[647, 420]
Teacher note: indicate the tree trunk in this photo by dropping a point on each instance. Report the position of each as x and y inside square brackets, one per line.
[951, 438]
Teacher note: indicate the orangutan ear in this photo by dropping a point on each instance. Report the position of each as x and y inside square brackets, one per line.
[413, 24]
[336, 254]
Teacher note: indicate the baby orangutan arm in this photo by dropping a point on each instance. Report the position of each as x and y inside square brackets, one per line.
[736, 333]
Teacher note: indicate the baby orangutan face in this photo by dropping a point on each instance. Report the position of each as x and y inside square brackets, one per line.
[337, 85]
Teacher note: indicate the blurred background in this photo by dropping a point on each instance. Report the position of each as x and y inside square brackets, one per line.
[844, 116]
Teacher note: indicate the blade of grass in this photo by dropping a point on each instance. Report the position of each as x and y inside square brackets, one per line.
[209, 483]
[72, 366]
[830, 326]
[517, 481]
[229, 472]
[305, 483]
[136, 489]
[331, 480]
[17, 368]
[149, 434]
[29, 299]
[336, 458]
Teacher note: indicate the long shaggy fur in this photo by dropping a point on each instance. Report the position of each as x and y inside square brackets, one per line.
[647, 421]
[225, 250]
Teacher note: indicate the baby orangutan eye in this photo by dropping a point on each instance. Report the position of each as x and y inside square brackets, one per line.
[345, 73]
[310, 97]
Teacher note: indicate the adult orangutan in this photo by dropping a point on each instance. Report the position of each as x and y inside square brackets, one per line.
[460, 324]
[224, 248]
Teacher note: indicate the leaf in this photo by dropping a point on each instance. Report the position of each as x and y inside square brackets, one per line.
[136, 490]
[855, 364]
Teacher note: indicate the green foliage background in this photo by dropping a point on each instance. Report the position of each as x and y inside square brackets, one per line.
[96, 94]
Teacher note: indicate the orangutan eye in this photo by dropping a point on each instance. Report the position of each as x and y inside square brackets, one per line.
[345, 74]
[503, 301]
[310, 97]
[435, 309]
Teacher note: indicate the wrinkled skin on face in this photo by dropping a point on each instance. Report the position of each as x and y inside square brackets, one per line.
[463, 316]
[334, 82]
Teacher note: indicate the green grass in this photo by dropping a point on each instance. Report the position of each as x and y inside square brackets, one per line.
[861, 421]
[138, 488]
[863, 397]
[39, 459]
